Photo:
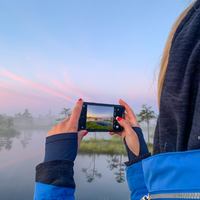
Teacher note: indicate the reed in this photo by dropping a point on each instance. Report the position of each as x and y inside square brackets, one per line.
[115, 145]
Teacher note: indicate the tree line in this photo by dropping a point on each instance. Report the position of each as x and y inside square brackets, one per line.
[26, 119]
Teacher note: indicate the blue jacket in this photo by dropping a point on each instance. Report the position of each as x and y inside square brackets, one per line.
[169, 175]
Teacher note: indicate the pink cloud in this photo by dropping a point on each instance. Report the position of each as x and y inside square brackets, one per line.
[5, 86]
[36, 85]
[9, 98]
[75, 90]
[28, 95]
[60, 85]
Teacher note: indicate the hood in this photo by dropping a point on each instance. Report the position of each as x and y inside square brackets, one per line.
[178, 125]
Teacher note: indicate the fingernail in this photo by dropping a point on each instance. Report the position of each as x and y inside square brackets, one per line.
[119, 118]
[80, 100]
[86, 133]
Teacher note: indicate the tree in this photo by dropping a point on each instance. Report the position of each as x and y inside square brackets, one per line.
[146, 115]
[27, 117]
[2, 121]
[9, 122]
[66, 112]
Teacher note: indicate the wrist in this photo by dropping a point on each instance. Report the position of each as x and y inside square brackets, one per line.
[61, 147]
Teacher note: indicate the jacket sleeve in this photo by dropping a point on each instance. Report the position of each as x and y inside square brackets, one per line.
[136, 182]
[54, 177]
[54, 181]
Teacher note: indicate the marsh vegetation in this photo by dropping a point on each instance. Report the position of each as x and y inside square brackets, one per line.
[115, 145]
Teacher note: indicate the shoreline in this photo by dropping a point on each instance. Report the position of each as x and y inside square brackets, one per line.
[115, 145]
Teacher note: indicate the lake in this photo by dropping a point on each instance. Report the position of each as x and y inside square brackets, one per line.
[99, 177]
[104, 123]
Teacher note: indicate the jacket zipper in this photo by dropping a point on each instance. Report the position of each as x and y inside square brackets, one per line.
[173, 196]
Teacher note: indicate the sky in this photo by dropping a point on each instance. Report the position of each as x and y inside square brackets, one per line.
[54, 52]
[100, 111]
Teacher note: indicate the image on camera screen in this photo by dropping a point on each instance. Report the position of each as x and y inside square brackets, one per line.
[99, 117]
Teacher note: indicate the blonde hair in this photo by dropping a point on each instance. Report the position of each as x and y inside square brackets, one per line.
[165, 57]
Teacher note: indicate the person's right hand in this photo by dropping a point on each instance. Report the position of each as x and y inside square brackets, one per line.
[70, 124]
[128, 133]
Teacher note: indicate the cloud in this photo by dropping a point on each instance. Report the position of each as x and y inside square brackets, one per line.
[35, 85]
[9, 98]
[75, 90]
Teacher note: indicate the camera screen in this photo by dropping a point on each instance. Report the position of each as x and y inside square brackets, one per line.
[99, 117]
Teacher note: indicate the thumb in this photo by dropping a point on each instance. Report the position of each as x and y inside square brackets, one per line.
[81, 134]
[124, 123]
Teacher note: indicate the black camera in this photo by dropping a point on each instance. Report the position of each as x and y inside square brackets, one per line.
[97, 117]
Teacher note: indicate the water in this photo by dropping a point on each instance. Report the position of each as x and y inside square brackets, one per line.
[99, 177]
[104, 123]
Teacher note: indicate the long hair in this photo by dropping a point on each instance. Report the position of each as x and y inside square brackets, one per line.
[165, 57]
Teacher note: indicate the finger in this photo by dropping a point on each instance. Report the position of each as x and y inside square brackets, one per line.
[127, 108]
[130, 116]
[127, 117]
[81, 134]
[66, 120]
[118, 133]
[76, 113]
[124, 123]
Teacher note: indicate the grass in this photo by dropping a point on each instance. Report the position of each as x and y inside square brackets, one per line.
[93, 125]
[115, 145]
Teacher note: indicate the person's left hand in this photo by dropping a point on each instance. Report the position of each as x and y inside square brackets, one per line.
[70, 124]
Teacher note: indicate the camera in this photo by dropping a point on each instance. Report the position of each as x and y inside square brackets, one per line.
[98, 117]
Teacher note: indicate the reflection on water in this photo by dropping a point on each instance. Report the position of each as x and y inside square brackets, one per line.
[5, 143]
[91, 171]
[104, 123]
[6, 139]
[115, 162]
[26, 138]
[110, 182]
[97, 177]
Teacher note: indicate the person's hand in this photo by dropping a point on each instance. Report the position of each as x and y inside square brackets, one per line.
[127, 123]
[70, 124]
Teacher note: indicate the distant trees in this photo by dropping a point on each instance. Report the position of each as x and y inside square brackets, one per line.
[6, 122]
[9, 122]
[27, 117]
[2, 121]
[23, 119]
[65, 112]
[146, 115]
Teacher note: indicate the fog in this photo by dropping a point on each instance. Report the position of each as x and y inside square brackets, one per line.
[26, 120]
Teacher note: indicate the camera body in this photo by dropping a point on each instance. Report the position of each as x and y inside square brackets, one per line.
[98, 117]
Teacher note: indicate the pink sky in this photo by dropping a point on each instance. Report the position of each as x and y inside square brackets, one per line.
[18, 93]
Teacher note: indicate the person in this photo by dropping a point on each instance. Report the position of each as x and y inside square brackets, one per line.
[173, 171]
